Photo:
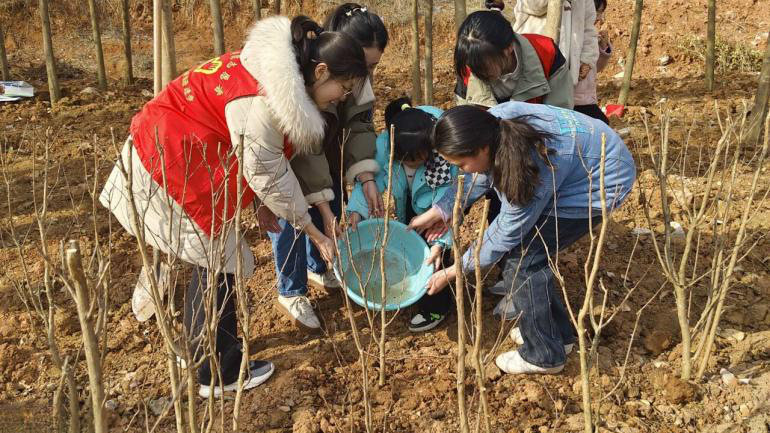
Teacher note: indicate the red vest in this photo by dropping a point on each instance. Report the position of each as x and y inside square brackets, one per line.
[546, 52]
[199, 163]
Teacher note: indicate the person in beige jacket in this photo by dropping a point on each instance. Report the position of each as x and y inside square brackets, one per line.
[577, 38]
[176, 183]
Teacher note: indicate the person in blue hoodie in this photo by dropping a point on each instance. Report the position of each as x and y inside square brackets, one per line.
[420, 179]
[544, 163]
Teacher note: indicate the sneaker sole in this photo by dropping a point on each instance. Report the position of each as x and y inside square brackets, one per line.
[426, 327]
[294, 321]
[249, 384]
[551, 370]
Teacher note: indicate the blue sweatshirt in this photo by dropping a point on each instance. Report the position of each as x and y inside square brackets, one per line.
[575, 179]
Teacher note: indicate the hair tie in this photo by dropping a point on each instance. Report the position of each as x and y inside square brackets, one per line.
[405, 105]
[313, 34]
[496, 9]
[350, 12]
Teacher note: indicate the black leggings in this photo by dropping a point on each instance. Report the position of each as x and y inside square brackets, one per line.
[227, 344]
[594, 111]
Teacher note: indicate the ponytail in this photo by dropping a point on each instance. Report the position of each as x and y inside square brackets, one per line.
[515, 169]
[465, 130]
[312, 45]
[413, 129]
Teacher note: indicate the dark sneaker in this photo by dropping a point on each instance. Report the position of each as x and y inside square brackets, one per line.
[424, 321]
[259, 372]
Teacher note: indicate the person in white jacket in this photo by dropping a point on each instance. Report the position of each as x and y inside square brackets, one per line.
[577, 38]
[179, 167]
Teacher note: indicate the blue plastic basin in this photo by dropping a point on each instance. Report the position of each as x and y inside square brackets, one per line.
[405, 271]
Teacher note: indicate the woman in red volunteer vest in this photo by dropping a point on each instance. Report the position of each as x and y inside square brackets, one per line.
[182, 155]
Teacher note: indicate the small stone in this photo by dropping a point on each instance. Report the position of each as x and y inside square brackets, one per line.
[146, 93]
[744, 410]
[284, 409]
[158, 405]
[493, 372]
[665, 60]
[641, 231]
[678, 391]
[728, 378]
[111, 404]
[677, 231]
[437, 414]
[89, 91]
[624, 132]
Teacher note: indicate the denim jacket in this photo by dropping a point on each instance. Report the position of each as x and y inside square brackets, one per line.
[571, 190]
[422, 195]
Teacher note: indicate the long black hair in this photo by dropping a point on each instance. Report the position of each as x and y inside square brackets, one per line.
[481, 43]
[357, 21]
[341, 53]
[513, 146]
[413, 130]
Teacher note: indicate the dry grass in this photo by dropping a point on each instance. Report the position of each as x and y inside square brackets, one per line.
[731, 56]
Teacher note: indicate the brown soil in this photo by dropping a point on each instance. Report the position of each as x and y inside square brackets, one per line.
[317, 382]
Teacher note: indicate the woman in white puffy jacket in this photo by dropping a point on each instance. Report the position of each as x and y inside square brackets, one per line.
[182, 160]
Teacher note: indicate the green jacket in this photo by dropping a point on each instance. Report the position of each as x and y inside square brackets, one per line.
[355, 125]
[525, 84]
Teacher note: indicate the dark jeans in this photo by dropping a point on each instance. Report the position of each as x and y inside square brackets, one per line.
[294, 253]
[227, 345]
[594, 111]
[544, 322]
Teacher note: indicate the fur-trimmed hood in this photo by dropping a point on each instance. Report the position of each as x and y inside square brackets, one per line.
[268, 55]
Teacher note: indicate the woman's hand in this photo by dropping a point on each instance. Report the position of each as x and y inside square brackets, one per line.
[429, 224]
[354, 219]
[267, 219]
[372, 195]
[331, 228]
[435, 256]
[324, 244]
[440, 279]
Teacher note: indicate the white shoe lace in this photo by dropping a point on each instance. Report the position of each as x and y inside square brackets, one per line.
[301, 304]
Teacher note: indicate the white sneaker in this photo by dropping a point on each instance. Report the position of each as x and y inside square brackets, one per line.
[518, 339]
[259, 372]
[327, 279]
[299, 310]
[512, 363]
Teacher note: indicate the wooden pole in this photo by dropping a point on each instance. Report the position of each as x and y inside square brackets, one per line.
[50, 62]
[128, 70]
[157, 46]
[460, 13]
[460, 301]
[416, 81]
[631, 53]
[429, 53]
[101, 74]
[257, 10]
[711, 36]
[4, 57]
[761, 100]
[277, 7]
[216, 24]
[169, 49]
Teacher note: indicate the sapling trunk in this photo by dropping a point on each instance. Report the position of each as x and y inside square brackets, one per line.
[50, 61]
[4, 58]
[459, 13]
[384, 285]
[157, 46]
[97, 35]
[429, 53]
[460, 300]
[128, 69]
[711, 35]
[416, 81]
[216, 24]
[479, 315]
[631, 53]
[169, 48]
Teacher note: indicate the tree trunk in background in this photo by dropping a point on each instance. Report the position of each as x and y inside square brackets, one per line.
[459, 13]
[216, 24]
[97, 34]
[50, 62]
[762, 100]
[416, 82]
[157, 46]
[169, 49]
[257, 10]
[4, 57]
[128, 70]
[277, 7]
[711, 36]
[429, 53]
[553, 20]
[631, 54]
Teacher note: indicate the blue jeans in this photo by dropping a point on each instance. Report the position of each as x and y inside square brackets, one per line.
[294, 254]
[544, 322]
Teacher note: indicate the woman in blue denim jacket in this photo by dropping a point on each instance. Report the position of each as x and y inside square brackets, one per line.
[544, 163]
[420, 178]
